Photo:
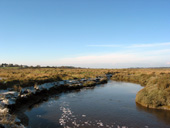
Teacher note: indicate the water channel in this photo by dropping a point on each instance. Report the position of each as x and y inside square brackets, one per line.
[110, 105]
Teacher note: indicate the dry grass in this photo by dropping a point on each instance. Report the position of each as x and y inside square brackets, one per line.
[156, 93]
[22, 77]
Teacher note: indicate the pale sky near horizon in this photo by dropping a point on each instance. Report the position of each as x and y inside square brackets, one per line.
[85, 33]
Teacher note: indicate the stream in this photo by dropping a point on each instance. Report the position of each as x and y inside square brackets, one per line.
[110, 105]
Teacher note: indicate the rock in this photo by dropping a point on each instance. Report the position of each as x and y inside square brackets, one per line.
[4, 110]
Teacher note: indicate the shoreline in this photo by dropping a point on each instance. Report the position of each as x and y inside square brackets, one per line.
[152, 95]
[11, 100]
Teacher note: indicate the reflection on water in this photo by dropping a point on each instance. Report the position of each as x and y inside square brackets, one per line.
[111, 105]
[162, 115]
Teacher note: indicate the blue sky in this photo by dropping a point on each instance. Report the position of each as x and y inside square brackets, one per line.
[85, 33]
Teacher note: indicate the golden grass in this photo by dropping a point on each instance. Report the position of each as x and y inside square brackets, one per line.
[156, 93]
[22, 77]
[156, 81]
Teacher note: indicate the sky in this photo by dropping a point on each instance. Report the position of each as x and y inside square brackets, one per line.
[85, 33]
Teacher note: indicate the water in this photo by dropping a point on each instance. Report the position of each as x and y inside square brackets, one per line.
[110, 105]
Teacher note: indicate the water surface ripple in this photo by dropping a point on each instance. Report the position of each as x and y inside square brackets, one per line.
[110, 105]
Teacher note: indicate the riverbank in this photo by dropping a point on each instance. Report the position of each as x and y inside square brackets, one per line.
[18, 78]
[10, 100]
[156, 82]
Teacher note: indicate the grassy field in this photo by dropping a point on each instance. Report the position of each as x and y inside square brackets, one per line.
[156, 82]
[22, 77]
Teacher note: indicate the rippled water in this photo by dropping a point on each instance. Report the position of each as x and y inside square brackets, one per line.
[110, 105]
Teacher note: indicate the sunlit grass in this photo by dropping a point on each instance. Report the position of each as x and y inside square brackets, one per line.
[15, 77]
[157, 85]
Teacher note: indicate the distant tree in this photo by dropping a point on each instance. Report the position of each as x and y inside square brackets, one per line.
[10, 65]
[16, 65]
[4, 65]
[38, 66]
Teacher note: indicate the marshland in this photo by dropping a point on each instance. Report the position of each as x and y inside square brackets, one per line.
[84, 64]
[138, 89]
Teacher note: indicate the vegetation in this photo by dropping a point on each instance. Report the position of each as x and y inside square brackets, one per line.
[156, 82]
[22, 77]
[156, 93]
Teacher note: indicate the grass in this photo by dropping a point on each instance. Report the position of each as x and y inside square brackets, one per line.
[156, 93]
[156, 81]
[23, 77]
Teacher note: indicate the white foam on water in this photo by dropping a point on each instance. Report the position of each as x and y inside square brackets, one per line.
[69, 120]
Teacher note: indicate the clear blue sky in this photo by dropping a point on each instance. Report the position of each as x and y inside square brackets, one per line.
[86, 33]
